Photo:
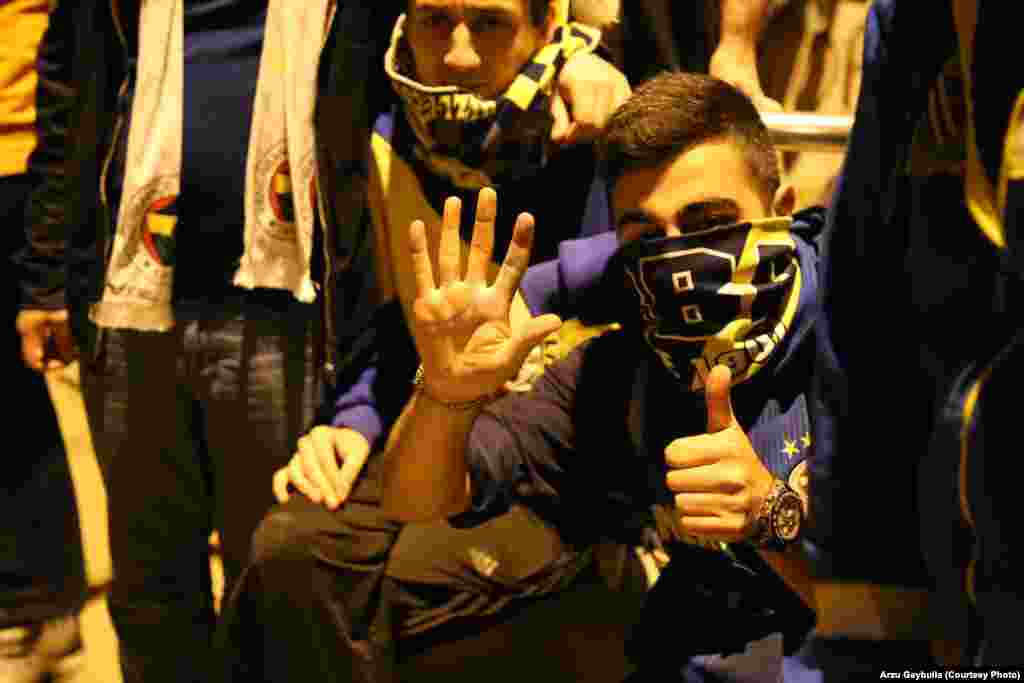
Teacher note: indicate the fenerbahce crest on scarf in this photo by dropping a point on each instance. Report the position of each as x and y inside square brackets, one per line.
[725, 296]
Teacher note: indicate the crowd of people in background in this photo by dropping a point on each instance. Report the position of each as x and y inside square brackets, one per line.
[436, 310]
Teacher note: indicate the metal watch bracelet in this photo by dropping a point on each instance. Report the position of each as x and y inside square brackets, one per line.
[779, 518]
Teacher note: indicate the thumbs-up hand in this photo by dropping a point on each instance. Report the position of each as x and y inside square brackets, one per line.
[718, 482]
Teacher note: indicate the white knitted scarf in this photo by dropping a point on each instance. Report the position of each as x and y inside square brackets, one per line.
[280, 189]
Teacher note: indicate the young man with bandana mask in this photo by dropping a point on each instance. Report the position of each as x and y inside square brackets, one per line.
[476, 83]
[690, 421]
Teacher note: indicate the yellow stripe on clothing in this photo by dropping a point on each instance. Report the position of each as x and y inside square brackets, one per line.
[522, 91]
[980, 195]
[970, 406]
[561, 11]
[1013, 152]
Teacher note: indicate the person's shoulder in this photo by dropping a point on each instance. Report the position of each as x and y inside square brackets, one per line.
[592, 356]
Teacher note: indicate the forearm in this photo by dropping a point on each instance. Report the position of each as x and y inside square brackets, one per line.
[425, 472]
[735, 57]
[740, 23]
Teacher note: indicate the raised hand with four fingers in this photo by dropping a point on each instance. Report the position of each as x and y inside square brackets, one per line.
[460, 322]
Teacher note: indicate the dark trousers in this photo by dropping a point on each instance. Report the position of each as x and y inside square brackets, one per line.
[189, 426]
[347, 596]
[329, 594]
[42, 574]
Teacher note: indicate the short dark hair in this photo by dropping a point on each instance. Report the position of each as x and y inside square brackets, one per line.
[674, 112]
[538, 10]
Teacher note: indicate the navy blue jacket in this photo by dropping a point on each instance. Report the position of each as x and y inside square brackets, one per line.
[918, 309]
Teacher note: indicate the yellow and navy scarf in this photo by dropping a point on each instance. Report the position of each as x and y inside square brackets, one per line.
[728, 295]
[475, 142]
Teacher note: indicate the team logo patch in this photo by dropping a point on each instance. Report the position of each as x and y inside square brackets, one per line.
[282, 202]
[159, 225]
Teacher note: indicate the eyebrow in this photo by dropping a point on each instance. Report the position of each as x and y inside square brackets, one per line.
[688, 214]
[469, 9]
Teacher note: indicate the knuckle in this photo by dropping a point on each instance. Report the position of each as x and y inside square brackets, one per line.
[691, 529]
[324, 455]
[733, 524]
[308, 466]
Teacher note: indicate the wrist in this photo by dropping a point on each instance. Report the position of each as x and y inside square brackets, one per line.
[461, 405]
[743, 19]
[735, 59]
[780, 518]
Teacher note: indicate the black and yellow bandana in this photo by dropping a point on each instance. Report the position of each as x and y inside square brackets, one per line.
[476, 142]
[726, 296]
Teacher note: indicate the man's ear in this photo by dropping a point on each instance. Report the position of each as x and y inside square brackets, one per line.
[602, 14]
[784, 201]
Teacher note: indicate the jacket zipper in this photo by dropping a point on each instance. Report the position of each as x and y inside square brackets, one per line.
[109, 219]
[118, 123]
[329, 368]
[115, 16]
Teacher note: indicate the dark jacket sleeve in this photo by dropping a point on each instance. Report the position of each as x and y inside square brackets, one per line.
[372, 403]
[519, 445]
[41, 265]
[863, 309]
[353, 91]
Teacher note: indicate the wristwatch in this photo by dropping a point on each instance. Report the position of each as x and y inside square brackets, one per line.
[780, 518]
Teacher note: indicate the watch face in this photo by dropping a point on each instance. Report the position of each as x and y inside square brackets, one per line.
[787, 516]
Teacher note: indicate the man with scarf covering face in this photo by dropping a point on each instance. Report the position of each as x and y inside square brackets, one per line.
[476, 83]
[686, 429]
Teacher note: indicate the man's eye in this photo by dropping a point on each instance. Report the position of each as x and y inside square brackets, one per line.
[708, 222]
[640, 231]
[433, 20]
[488, 23]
